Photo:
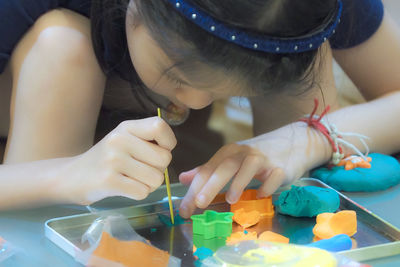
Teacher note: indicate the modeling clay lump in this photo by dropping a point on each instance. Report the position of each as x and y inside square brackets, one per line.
[241, 236]
[202, 253]
[307, 201]
[332, 224]
[166, 220]
[334, 244]
[264, 236]
[249, 202]
[128, 253]
[246, 219]
[384, 173]
[273, 237]
[353, 162]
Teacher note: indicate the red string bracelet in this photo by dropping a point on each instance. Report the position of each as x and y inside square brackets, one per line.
[314, 121]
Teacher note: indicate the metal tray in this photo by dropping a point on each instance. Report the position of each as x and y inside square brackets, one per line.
[375, 237]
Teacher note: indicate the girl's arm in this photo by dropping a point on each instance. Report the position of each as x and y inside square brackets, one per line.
[57, 93]
[129, 162]
[374, 66]
[31, 184]
[284, 154]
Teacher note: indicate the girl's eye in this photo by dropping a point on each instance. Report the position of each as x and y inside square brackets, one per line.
[177, 83]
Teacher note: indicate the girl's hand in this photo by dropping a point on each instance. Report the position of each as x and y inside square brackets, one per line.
[274, 158]
[129, 161]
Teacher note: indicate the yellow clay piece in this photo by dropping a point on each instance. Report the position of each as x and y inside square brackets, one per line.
[295, 256]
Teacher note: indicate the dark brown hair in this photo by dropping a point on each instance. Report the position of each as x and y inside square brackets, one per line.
[188, 44]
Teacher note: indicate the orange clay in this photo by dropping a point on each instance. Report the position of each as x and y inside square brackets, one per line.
[129, 253]
[220, 198]
[354, 242]
[246, 219]
[194, 250]
[353, 162]
[331, 224]
[249, 202]
[240, 236]
[273, 237]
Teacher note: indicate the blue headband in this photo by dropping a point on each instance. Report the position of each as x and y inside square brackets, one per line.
[259, 42]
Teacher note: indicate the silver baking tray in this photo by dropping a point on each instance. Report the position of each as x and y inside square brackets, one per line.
[375, 237]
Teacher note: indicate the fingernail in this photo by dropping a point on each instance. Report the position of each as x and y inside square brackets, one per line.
[260, 195]
[231, 198]
[201, 200]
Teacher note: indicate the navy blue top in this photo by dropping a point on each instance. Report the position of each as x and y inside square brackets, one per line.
[17, 16]
[360, 20]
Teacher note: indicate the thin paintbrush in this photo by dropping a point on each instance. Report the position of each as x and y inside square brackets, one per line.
[171, 210]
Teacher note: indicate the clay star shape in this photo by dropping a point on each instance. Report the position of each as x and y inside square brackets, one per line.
[353, 162]
[212, 224]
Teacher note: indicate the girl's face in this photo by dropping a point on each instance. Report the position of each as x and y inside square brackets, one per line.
[151, 64]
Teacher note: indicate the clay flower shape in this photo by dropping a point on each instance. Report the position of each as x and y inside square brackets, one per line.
[332, 224]
[352, 162]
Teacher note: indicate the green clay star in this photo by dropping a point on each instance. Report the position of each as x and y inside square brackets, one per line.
[212, 224]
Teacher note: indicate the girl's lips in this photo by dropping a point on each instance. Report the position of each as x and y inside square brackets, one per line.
[175, 115]
[179, 105]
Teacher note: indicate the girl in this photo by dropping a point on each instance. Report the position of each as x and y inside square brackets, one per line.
[191, 52]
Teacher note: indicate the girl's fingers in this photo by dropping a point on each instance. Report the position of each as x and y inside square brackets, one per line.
[228, 151]
[188, 204]
[130, 188]
[228, 161]
[186, 178]
[143, 173]
[204, 172]
[222, 175]
[272, 183]
[150, 129]
[146, 152]
[250, 167]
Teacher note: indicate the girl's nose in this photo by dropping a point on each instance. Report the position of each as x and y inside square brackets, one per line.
[194, 98]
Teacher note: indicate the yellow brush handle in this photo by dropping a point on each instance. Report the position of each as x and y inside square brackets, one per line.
[166, 176]
[169, 195]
